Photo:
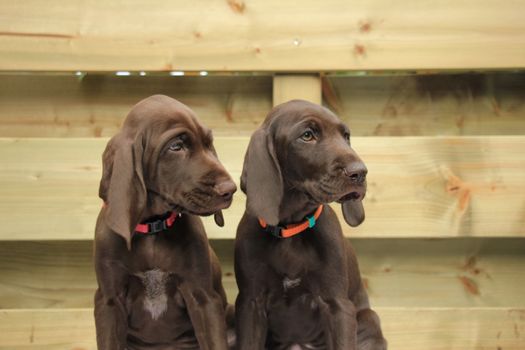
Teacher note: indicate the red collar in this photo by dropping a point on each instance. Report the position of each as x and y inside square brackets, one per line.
[292, 229]
[157, 226]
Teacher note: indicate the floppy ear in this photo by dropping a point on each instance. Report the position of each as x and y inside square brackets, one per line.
[122, 185]
[353, 212]
[261, 178]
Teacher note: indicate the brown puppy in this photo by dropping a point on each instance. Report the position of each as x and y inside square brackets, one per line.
[162, 289]
[305, 291]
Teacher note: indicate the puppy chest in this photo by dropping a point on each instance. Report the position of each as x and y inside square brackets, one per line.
[295, 319]
[155, 291]
[293, 259]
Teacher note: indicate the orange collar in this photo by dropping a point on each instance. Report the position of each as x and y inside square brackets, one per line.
[292, 229]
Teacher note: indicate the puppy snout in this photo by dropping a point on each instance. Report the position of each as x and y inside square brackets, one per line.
[356, 171]
[225, 189]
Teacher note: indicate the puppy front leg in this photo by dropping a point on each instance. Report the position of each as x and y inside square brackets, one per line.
[251, 323]
[207, 315]
[369, 334]
[339, 317]
[111, 320]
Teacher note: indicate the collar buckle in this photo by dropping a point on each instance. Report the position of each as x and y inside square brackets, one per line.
[157, 226]
[275, 231]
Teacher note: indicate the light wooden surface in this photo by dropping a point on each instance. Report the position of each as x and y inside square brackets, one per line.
[453, 329]
[397, 273]
[46, 105]
[291, 87]
[419, 105]
[261, 35]
[417, 187]
[95, 105]
[58, 329]
[404, 328]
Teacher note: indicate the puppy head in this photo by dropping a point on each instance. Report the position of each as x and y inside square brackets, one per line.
[163, 159]
[303, 146]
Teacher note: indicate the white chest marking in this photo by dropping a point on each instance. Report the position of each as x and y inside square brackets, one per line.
[289, 284]
[155, 299]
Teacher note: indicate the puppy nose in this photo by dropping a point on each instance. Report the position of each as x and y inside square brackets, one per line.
[356, 171]
[225, 189]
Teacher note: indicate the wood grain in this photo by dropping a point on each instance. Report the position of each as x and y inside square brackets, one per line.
[429, 105]
[44, 105]
[61, 274]
[417, 187]
[397, 272]
[404, 328]
[449, 329]
[291, 87]
[164, 35]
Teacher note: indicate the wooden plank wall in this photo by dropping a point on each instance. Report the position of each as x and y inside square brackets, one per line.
[443, 247]
[94, 105]
[261, 35]
[426, 181]
[446, 294]
[419, 273]
[64, 105]
[430, 105]
[458, 329]
[446, 193]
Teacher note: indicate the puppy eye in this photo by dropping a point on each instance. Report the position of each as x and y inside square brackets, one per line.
[347, 137]
[176, 146]
[308, 136]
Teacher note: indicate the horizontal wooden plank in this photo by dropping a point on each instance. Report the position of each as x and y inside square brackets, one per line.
[61, 274]
[60, 329]
[235, 35]
[429, 105]
[43, 105]
[404, 328]
[449, 329]
[96, 105]
[474, 272]
[417, 187]
[466, 272]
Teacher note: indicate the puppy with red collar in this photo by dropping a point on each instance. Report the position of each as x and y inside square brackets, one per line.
[159, 281]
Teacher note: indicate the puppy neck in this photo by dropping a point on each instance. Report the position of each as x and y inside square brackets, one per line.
[156, 207]
[295, 206]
